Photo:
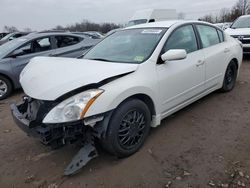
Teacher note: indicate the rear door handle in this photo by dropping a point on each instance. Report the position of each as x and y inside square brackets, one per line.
[227, 50]
[200, 63]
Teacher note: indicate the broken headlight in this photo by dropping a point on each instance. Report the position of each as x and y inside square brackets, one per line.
[73, 108]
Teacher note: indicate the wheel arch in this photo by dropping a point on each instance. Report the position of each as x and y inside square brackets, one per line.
[9, 78]
[144, 98]
[236, 61]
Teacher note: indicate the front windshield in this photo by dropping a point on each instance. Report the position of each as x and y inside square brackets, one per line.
[127, 46]
[10, 46]
[136, 22]
[6, 37]
[242, 22]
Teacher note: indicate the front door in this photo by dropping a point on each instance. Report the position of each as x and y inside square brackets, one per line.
[181, 80]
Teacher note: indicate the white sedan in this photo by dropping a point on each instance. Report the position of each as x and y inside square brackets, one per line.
[126, 84]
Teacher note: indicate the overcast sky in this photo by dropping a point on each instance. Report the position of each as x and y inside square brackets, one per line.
[46, 14]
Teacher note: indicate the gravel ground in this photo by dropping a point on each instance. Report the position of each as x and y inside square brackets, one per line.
[203, 145]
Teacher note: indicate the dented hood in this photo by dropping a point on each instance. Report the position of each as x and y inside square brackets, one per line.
[47, 78]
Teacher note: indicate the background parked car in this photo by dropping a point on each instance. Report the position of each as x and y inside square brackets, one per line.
[15, 54]
[223, 26]
[3, 35]
[12, 36]
[92, 36]
[95, 33]
[240, 30]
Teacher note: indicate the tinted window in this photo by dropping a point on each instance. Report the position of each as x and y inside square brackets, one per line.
[41, 45]
[17, 35]
[182, 38]
[209, 35]
[64, 41]
[35, 46]
[221, 35]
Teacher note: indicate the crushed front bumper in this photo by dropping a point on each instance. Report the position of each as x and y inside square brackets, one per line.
[28, 116]
[55, 135]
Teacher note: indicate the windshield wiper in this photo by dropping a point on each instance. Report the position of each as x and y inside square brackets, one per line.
[100, 59]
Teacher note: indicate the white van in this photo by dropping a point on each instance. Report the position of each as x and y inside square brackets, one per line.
[152, 15]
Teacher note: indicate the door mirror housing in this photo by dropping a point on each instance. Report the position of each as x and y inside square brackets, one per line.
[172, 55]
[11, 38]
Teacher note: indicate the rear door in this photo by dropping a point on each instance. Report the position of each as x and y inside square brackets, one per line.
[181, 80]
[215, 52]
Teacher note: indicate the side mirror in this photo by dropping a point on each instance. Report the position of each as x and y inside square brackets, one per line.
[172, 55]
[11, 38]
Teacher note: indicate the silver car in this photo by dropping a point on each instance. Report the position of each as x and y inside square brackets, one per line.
[14, 55]
[11, 36]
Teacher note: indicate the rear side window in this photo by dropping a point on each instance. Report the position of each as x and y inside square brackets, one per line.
[221, 35]
[209, 35]
[64, 41]
[182, 38]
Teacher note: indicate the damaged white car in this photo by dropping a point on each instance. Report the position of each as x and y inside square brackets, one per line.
[123, 86]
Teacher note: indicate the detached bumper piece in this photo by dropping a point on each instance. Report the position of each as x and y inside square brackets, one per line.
[26, 116]
[86, 153]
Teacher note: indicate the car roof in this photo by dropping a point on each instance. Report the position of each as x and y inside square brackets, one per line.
[38, 35]
[165, 24]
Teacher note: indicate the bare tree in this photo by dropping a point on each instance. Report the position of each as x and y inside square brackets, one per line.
[10, 29]
[86, 25]
[224, 15]
[242, 6]
[207, 18]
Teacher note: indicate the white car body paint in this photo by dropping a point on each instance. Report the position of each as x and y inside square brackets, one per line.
[171, 86]
[47, 78]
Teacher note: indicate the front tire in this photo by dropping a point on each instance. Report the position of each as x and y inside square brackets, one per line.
[230, 77]
[5, 87]
[128, 128]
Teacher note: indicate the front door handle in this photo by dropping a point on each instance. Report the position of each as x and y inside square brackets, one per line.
[200, 63]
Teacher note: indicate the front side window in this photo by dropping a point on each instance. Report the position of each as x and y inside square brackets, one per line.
[6, 48]
[35, 46]
[41, 45]
[209, 35]
[127, 46]
[64, 41]
[182, 38]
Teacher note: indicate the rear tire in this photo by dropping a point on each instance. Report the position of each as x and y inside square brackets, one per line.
[5, 87]
[128, 128]
[230, 77]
